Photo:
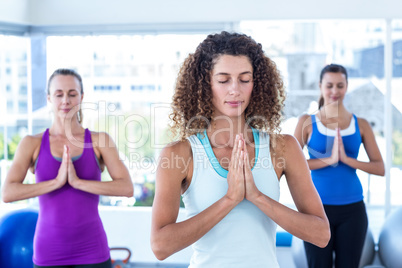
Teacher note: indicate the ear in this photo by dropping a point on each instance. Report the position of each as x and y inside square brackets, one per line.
[48, 98]
[82, 96]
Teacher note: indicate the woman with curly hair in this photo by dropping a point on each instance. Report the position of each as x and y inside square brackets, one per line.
[228, 161]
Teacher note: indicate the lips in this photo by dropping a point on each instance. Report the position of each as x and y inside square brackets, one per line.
[234, 103]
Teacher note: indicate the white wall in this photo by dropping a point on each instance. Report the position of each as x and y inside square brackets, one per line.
[14, 11]
[46, 12]
[131, 227]
[115, 12]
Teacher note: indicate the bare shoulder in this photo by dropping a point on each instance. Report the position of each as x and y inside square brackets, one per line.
[364, 125]
[29, 146]
[303, 129]
[101, 139]
[175, 163]
[285, 149]
[177, 149]
[32, 141]
[363, 122]
[289, 142]
[305, 118]
[304, 121]
[284, 143]
[36, 138]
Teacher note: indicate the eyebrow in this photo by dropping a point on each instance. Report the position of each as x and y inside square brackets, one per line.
[222, 73]
[73, 89]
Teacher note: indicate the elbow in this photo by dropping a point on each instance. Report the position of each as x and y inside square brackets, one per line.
[159, 250]
[321, 236]
[324, 236]
[6, 197]
[130, 191]
[323, 240]
[382, 171]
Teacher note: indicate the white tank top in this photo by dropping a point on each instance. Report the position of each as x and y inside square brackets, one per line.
[246, 236]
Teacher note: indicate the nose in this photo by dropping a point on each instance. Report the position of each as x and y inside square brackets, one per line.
[333, 90]
[234, 88]
[66, 99]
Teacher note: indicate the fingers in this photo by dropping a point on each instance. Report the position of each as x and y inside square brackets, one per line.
[66, 153]
[340, 141]
[237, 153]
[240, 153]
[233, 161]
[246, 159]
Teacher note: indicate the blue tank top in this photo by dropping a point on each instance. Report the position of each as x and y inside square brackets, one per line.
[337, 184]
[246, 236]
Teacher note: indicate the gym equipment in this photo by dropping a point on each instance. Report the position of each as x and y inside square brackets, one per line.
[17, 230]
[389, 243]
[121, 263]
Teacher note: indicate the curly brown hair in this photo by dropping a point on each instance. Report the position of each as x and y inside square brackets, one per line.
[192, 108]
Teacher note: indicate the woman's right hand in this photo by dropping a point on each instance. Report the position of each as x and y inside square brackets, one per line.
[62, 175]
[236, 185]
[334, 159]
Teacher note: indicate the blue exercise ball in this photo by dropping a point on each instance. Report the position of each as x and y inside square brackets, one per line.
[17, 230]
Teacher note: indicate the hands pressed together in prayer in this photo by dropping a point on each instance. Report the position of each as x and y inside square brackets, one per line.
[240, 178]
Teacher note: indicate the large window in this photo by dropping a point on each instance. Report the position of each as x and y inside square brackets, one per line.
[129, 81]
[128, 84]
[13, 97]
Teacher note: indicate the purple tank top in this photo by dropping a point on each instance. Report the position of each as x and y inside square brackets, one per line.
[69, 230]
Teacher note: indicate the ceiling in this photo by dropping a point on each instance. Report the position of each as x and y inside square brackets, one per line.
[61, 16]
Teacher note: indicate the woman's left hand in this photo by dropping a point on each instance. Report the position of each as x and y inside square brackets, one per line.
[252, 192]
[342, 154]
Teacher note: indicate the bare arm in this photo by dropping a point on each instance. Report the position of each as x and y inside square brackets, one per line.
[309, 223]
[14, 189]
[376, 164]
[121, 184]
[302, 134]
[168, 236]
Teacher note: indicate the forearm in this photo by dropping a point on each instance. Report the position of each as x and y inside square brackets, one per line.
[372, 167]
[174, 237]
[15, 191]
[118, 187]
[318, 163]
[308, 227]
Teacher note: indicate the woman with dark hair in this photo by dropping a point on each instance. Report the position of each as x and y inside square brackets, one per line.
[67, 161]
[333, 137]
[228, 160]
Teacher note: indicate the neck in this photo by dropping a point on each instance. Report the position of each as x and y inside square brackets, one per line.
[223, 131]
[66, 127]
[333, 110]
